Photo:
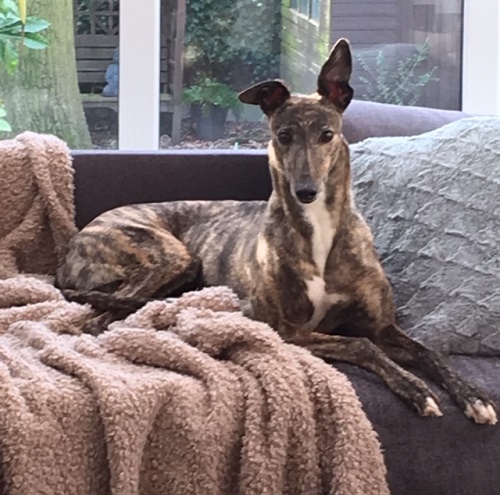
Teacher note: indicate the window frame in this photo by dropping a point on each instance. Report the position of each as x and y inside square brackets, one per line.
[295, 5]
[139, 75]
[481, 57]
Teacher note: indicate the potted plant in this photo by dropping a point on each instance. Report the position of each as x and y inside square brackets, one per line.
[210, 101]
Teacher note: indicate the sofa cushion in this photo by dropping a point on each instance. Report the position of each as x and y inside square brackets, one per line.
[434, 456]
[433, 202]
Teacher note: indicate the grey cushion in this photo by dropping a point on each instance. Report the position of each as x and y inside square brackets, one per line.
[433, 202]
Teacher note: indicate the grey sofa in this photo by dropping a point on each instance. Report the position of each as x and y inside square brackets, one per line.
[439, 456]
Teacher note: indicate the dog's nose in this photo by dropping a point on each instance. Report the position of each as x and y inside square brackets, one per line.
[306, 194]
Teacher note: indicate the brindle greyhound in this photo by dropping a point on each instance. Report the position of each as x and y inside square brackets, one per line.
[304, 261]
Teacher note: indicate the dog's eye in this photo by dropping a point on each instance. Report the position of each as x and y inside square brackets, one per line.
[326, 136]
[284, 137]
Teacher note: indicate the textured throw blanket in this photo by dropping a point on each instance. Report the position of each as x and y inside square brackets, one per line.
[188, 397]
[36, 203]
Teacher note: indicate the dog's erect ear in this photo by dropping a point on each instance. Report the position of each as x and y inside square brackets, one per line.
[333, 80]
[270, 95]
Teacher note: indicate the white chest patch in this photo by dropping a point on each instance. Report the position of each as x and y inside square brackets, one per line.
[319, 217]
[322, 238]
[262, 251]
[321, 300]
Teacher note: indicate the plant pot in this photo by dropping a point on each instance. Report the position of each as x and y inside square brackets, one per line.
[209, 121]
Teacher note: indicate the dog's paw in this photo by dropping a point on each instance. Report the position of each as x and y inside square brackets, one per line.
[417, 394]
[431, 408]
[481, 412]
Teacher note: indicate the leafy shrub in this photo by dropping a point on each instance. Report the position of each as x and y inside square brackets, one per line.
[402, 86]
[209, 91]
[232, 41]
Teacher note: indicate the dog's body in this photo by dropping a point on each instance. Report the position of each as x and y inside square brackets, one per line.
[304, 262]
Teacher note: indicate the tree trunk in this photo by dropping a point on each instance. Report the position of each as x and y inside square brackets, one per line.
[43, 94]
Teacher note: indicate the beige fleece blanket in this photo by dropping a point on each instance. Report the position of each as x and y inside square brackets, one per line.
[188, 397]
[36, 203]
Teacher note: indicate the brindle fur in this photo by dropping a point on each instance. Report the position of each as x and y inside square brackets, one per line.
[306, 266]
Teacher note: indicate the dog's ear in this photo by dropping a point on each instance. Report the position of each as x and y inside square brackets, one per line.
[333, 80]
[270, 95]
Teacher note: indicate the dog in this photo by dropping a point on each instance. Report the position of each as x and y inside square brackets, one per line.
[304, 262]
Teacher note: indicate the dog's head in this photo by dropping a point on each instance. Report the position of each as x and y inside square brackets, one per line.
[306, 130]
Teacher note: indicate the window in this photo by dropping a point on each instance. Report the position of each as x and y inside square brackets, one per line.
[405, 53]
[179, 64]
[97, 63]
[39, 81]
[308, 8]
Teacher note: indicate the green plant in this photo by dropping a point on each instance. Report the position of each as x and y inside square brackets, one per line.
[233, 41]
[402, 86]
[208, 91]
[17, 30]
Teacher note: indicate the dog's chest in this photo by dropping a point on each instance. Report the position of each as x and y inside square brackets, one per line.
[321, 300]
[321, 222]
[321, 243]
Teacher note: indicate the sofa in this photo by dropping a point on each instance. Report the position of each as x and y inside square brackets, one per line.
[425, 456]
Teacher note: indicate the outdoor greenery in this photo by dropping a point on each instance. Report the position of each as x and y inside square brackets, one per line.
[211, 92]
[17, 30]
[42, 93]
[234, 42]
[402, 86]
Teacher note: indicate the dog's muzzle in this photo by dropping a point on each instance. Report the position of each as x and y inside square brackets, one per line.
[306, 194]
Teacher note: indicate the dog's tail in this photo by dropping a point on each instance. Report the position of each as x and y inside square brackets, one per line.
[103, 301]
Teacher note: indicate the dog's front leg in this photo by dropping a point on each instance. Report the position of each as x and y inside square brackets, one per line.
[364, 353]
[247, 308]
[407, 352]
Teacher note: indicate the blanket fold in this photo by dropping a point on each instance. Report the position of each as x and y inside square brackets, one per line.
[182, 397]
[37, 204]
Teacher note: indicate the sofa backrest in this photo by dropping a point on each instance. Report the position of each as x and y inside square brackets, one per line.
[107, 179]
[364, 119]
